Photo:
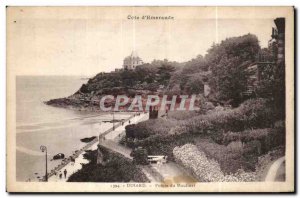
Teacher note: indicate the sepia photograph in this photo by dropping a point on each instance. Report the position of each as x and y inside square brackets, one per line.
[150, 99]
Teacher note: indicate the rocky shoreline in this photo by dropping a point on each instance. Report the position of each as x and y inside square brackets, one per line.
[73, 104]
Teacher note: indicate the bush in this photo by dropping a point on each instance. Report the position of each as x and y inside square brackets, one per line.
[241, 176]
[205, 169]
[252, 114]
[117, 169]
[164, 144]
[266, 138]
[230, 160]
[265, 160]
[181, 115]
[246, 136]
[140, 156]
[137, 131]
[144, 129]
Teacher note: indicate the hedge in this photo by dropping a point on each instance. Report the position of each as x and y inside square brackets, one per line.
[205, 169]
[116, 169]
[252, 114]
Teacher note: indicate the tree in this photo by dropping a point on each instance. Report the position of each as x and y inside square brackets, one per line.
[195, 84]
[228, 62]
[129, 78]
[272, 84]
[195, 65]
[165, 73]
[146, 73]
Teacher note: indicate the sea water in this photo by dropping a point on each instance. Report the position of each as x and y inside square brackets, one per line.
[59, 129]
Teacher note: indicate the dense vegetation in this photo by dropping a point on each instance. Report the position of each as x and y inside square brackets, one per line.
[232, 129]
[206, 169]
[117, 169]
[145, 77]
[223, 68]
[248, 124]
[236, 138]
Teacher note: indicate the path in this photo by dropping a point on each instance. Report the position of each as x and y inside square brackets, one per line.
[272, 173]
[173, 173]
[111, 140]
[79, 159]
[168, 172]
[116, 147]
[71, 167]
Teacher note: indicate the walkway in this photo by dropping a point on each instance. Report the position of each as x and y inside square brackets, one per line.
[116, 147]
[169, 172]
[173, 173]
[166, 173]
[71, 167]
[272, 173]
[109, 143]
[111, 140]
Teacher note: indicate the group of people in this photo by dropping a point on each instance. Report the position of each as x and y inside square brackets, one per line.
[61, 174]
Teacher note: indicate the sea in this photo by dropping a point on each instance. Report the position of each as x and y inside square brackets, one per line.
[59, 129]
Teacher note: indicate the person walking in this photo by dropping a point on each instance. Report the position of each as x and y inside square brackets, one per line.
[60, 175]
[65, 173]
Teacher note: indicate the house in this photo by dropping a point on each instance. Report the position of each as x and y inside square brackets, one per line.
[130, 62]
[276, 46]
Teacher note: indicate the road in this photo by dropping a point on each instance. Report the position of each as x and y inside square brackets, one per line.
[166, 173]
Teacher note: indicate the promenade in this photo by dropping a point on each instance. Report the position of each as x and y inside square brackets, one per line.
[169, 172]
[110, 135]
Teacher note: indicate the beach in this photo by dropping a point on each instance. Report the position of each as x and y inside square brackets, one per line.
[111, 138]
[60, 130]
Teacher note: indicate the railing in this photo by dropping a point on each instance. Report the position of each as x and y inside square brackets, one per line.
[113, 128]
[76, 154]
[69, 159]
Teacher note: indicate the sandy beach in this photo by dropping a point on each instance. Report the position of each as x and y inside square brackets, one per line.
[59, 129]
[112, 136]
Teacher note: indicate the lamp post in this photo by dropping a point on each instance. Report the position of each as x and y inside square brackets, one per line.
[113, 120]
[44, 149]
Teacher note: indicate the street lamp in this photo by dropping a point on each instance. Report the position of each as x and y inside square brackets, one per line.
[44, 149]
[113, 120]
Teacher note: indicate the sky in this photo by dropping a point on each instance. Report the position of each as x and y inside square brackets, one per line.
[86, 41]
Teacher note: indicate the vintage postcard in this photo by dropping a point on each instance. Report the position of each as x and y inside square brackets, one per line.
[150, 99]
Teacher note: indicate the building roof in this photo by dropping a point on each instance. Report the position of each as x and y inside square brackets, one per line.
[134, 53]
[133, 56]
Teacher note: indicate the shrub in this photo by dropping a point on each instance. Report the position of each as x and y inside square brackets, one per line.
[246, 136]
[117, 169]
[137, 131]
[241, 176]
[251, 114]
[205, 169]
[140, 156]
[265, 160]
[144, 129]
[122, 141]
[267, 138]
[164, 144]
[230, 160]
[181, 115]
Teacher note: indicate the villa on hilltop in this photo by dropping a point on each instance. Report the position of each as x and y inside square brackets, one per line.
[130, 62]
